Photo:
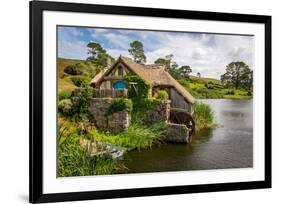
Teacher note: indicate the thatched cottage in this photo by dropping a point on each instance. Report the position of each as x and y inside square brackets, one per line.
[155, 75]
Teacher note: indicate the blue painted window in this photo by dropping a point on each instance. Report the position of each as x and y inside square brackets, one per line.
[119, 85]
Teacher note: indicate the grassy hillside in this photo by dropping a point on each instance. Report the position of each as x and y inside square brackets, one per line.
[66, 82]
[203, 88]
[205, 79]
[62, 63]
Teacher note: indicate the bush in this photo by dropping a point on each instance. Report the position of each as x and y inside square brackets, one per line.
[64, 95]
[142, 87]
[209, 85]
[120, 104]
[80, 81]
[163, 95]
[230, 92]
[203, 116]
[72, 70]
[81, 102]
[65, 106]
[86, 68]
[143, 105]
[249, 93]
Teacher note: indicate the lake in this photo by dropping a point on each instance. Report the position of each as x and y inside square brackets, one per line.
[229, 145]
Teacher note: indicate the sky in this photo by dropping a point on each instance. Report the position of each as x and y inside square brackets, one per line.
[203, 52]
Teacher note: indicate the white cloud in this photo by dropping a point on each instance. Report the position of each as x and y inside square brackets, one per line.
[207, 54]
[118, 40]
[74, 31]
[73, 50]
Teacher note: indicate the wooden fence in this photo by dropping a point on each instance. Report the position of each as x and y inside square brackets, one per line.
[112, 93]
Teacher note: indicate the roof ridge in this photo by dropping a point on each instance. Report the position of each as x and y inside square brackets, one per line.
[145, 66]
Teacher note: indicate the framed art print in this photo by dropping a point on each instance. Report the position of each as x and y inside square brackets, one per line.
[128, 101]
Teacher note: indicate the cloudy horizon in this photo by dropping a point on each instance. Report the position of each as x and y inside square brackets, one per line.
[205, 53]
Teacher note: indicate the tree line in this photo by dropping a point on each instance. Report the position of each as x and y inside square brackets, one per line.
[237, 74]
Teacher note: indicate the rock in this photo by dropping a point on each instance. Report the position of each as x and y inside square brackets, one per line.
[113, 151]
[91, 145]
[177, 133]
[99, 149]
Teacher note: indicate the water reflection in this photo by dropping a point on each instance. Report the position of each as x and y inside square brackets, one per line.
[230, 145]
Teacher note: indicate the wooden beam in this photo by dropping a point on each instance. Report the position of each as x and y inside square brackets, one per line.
[179, 109]
[113, 78]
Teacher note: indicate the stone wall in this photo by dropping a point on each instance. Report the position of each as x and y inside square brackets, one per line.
[118, 121]
[160, 112]
[115, 122]
[177, 133]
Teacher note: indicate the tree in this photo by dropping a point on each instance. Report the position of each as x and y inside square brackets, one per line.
[167, 61]
[173, 68]
[238, 75]
[185, 71]
[97, 54]
[95, 51]
[198, 74]
[137, 52]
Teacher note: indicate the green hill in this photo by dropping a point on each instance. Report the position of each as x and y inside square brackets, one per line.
[202, 88]
[205, 79]
[83, 72]
[62, 63]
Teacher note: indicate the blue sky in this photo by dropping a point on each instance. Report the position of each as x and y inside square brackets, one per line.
[204, 53]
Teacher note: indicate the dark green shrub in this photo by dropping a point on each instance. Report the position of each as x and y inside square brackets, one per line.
[65, 106]
[163, 95]
[72, 70]
[120, 104]
[87, 69]
[249, 93]
[230, 92]
[81, 101]
[80, 81]
[64, 95]
[140, 89]
[209, 85]
[144, 105]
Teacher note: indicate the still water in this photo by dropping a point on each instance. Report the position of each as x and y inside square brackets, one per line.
[229, 145]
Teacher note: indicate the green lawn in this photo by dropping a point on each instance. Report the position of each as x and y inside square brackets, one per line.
[203, 88]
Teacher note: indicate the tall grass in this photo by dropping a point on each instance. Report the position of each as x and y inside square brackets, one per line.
[203, 116]
[74, 160]
[137, 136]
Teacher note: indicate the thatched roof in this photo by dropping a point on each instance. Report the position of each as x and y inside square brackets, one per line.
[153, 74]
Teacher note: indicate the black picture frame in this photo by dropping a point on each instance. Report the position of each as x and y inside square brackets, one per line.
[36, 104]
